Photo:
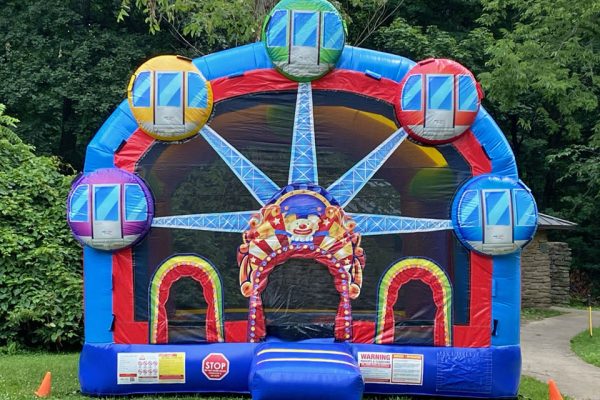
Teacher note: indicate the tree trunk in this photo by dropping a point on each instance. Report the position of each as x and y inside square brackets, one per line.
[67, 148]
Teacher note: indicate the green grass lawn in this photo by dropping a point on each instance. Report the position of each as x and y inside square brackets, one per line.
[532, 389]
[20, 376]
[586, 347]
[536, 314]
[583, 305]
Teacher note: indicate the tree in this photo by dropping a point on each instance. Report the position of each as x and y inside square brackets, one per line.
[542, 79]
[40, 267]
[65, 65]
[580, 186]
[219, 24]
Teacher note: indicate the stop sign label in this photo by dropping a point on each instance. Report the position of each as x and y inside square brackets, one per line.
[215, 366]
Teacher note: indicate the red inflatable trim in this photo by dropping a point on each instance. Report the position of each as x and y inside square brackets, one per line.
[479, 331]
[439, 334]
[131, 152]
[470, 148]
[363, 331]
[126, 329]
[269, 80]
[236, 331]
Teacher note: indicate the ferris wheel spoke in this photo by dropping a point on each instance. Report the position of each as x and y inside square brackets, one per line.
[371, 224]
[256, 181]
[303, 163]
[348, 186]
[236, 222]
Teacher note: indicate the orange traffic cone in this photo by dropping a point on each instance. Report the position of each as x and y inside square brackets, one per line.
[45, 386]
[553, 392]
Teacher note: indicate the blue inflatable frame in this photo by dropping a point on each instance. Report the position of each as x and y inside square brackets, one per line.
[490, 372]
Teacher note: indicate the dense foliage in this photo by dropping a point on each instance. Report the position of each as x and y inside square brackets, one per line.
[64, 66]
[40, 267]
[215, 24]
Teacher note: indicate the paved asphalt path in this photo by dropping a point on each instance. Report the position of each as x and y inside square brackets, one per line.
[547, 354]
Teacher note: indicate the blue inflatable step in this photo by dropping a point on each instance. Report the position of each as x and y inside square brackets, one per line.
[301, 371]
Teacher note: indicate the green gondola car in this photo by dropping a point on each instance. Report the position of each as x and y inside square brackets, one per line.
[304, 38]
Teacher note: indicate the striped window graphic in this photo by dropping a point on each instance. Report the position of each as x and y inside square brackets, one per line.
[467, 93]
[141, 89]
[277, 30]
[440, 92]
[524, 208]
[333, 31]
[197, 94]
[497, 207]
[169, 88]
[79, 207]
[412, 93]
[470, 212]
[136, 206]
[305, 29]
[106, 203]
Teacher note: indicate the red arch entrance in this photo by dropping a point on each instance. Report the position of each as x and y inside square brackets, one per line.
[170, 272]
[398, 275]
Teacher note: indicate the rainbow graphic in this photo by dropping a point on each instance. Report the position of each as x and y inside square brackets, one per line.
[168, 273]
[402, 272]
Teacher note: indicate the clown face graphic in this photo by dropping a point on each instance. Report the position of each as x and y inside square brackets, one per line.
[302, 228]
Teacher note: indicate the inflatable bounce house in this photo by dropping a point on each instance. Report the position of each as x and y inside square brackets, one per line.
[301, 219]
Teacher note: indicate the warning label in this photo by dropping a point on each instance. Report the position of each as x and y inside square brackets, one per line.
[394, 368]
[171, 367]
[375, 367]
[138, 368]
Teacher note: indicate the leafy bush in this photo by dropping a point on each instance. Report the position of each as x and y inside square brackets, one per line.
[40, 267]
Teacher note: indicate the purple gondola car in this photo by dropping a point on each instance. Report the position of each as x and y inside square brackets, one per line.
[109, 209]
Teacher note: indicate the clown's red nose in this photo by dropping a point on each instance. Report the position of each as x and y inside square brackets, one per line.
[303, 226]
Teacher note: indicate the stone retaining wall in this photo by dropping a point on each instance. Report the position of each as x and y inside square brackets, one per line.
[545, 272]
[560, 265]
[535, 273]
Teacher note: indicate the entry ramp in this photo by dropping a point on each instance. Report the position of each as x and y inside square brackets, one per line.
[303, 371]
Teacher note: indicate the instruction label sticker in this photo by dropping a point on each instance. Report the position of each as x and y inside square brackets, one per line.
[407, 369]
[391, 368]
[143, 368]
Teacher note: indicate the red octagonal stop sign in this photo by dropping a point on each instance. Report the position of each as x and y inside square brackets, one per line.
[215, 366]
